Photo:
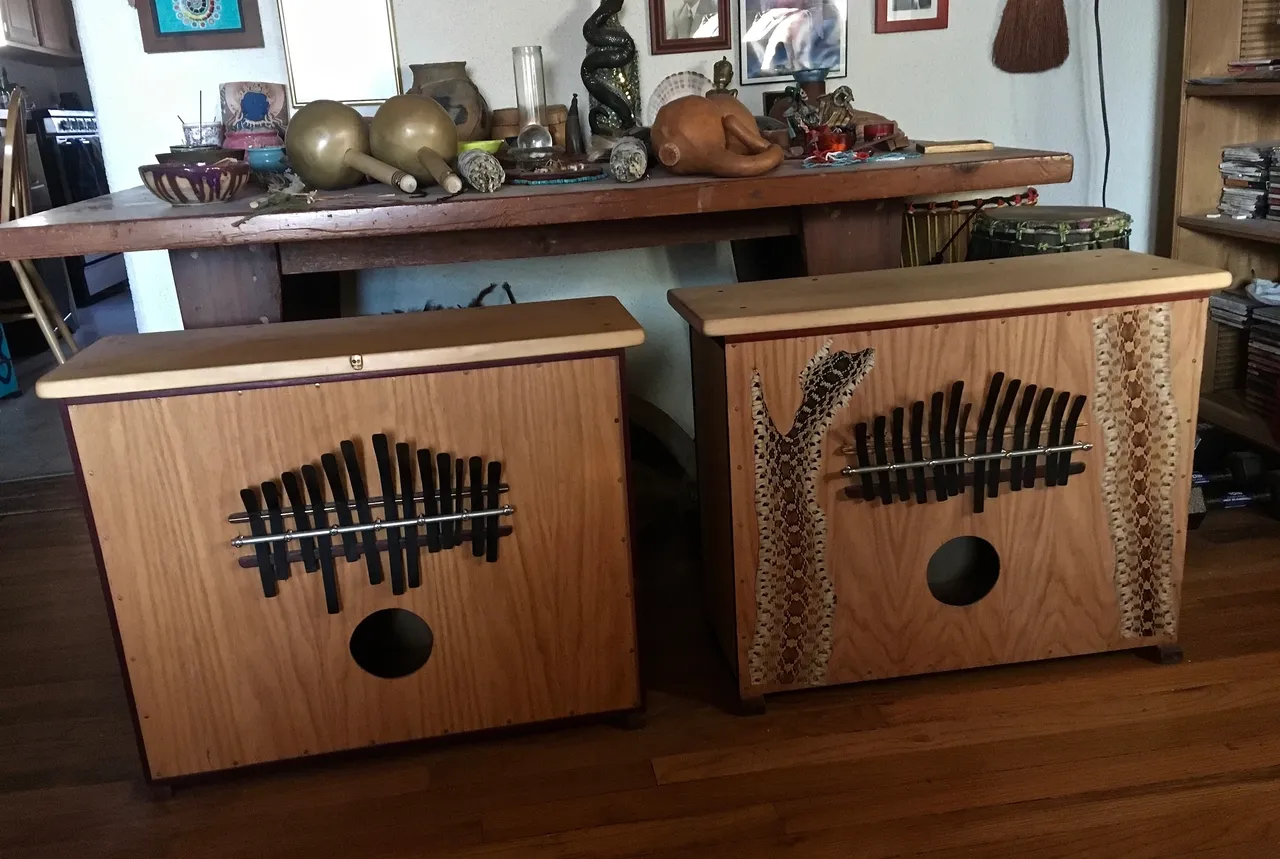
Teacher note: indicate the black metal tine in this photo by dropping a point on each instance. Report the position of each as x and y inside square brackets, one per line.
[864, 461]
[964, 435]
[1020, 437]
[980, 442]
[478, 526]
[491, 524]
[882, 458]
[275, 516]
[935, 445]
[390, 511]
[1069, 438]
[301, 521]
[372, 558]
[258, 528]
[917, 451]
[444, 465]
[955, 437]
[900, 454]
[1055, 438]
[351, 549]
[427, 468]
[404, 459]
[997, 435]
[316, 490]
[1033, 436]
[459, 494]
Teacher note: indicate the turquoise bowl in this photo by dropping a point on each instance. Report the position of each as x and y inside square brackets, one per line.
[266, 159]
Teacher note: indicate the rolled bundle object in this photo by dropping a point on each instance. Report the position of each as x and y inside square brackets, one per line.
[481, 170]
[629, 160]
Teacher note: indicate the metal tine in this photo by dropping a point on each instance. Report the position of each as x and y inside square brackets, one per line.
[882, 458]
[997, 435]
[1033, 436]
[980, 442]
[341, 505]
[258, 528]
[955, 438]
[280, 552]
[460, 493]
[1069, 437]
[1020, 437]
[372, 558]
[917, 451]
[301, 521]
[327, 572]
[964, 432]
[476, 466]
[390, 511]
[444, 468]
[404, 461]
[491, 524]
[935, 445]
[864, 460]
[427, 468]
[1055, 435]
[900, 454]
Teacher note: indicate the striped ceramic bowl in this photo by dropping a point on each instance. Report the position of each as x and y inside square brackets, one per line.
[195, 184]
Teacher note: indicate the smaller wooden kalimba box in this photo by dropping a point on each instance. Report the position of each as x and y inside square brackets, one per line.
[330, 535]
[947, 467]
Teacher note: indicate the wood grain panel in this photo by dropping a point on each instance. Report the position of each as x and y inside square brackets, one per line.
[227, 286]
[224, 678]
[1056, 593]
[861, 237]
[135, 220]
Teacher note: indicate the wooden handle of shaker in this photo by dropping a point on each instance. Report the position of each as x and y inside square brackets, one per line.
[440, 170]
[380, 170]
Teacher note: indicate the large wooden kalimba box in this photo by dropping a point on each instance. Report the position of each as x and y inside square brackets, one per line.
[330, 535]
[941, 468]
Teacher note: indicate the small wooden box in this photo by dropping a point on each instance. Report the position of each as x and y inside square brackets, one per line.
[519, 609]
[860, 515]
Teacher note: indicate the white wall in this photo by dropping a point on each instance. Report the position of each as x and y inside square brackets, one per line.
[937, 84]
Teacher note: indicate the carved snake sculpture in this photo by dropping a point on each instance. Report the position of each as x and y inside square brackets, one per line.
[611, 48]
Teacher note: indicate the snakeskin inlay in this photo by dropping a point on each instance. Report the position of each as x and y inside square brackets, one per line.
[1139, 423]
[795, 596]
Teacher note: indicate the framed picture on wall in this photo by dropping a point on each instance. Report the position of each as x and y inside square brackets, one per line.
[199, 25]
[684, 26]
[901, 16]
[780, 37]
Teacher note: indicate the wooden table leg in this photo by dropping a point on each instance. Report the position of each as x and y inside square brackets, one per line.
[852, 236]
[227, 286]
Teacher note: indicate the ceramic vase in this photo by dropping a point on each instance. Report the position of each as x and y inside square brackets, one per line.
[449, 84]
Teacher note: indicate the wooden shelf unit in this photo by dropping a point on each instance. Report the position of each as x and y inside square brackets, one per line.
[1213, 117]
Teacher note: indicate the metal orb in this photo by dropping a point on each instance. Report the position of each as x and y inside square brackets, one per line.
[406, 124]
[318, 138]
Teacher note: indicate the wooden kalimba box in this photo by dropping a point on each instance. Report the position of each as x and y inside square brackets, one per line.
[331, 535]
[947, 467]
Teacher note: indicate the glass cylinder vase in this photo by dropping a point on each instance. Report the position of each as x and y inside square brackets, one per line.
[531, 92]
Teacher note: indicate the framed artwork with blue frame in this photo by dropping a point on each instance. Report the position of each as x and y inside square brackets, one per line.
[199, 25]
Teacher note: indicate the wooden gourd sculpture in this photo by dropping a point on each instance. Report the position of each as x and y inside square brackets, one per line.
[715, 135]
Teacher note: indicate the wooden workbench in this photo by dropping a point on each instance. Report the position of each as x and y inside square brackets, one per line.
[228, 267]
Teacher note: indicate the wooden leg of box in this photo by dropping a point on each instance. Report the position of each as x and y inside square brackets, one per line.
[1164, 654]
[751, 706]
[633, 720]
[227, 286]
[852, 236]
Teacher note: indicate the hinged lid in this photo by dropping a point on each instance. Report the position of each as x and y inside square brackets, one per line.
[883, 298]
[226, 357]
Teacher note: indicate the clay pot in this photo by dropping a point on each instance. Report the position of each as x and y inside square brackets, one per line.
[716, 135]
[449, 85]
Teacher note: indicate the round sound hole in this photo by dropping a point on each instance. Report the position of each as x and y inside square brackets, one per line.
[392, 643]
[963, 571]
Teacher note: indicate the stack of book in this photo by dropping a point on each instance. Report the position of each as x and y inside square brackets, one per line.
[1233, 311]
[1262, 378]
[1253, 68]
[1233, 308]
[1246, 175]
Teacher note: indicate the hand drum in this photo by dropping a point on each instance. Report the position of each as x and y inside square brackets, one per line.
[417, 135]
[328, 146]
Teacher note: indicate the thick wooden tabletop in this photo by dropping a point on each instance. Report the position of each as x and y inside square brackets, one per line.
[134, 220]
[885, 298]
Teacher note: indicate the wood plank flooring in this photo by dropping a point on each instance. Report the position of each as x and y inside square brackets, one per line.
[1108, 756]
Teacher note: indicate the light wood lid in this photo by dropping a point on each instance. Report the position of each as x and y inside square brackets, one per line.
[939, 292]
[222, 357]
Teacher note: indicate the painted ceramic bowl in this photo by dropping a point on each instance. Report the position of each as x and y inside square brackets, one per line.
[198, 155]
[267, 159]
[195, 184]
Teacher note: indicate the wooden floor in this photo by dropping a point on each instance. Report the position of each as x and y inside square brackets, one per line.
[1105, 756]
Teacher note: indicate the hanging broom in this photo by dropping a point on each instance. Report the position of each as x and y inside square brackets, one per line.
[1033, 36]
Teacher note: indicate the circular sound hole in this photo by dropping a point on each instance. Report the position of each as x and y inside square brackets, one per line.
[391, 643]
[963, 571]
